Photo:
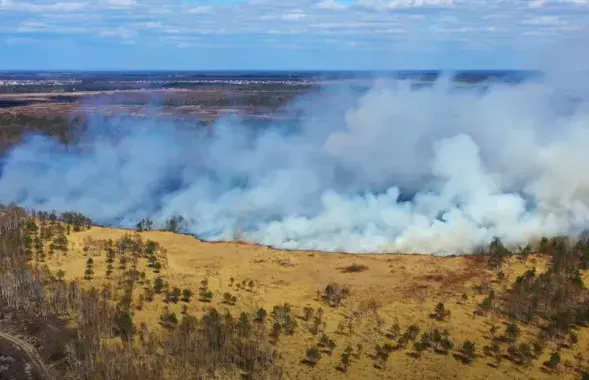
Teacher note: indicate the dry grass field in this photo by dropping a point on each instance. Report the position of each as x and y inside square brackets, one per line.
[383, 291]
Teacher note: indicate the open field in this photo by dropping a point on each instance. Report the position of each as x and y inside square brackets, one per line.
[205, 103]
[61, 114]
[384, 291]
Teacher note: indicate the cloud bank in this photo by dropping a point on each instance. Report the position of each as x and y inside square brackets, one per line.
[439, 170]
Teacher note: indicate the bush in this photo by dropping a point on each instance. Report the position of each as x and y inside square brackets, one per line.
[186, 294]
[124, 326]
[334, 294]
[313, 356]
[355, 268]
[206, 296]
[469, 351]
[440, 312]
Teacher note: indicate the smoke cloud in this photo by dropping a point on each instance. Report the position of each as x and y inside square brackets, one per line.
[393, 169]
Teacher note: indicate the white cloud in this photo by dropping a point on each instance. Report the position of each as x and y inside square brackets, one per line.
[556, 3]
[577, 2]
[543, 20]
[382, 5]
[120, 3]
[202, 9]
[20, 6]
[537, 3]
[305, 22]
[330, 5]
[293, 16]
[449, 19]
[41, 27]
[151, 25]
[121, 33]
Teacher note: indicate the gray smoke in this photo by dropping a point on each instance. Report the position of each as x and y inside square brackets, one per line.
[393, 169]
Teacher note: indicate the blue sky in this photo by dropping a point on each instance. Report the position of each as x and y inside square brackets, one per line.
[268, 34]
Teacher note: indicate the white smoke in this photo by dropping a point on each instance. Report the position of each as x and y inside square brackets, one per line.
[437, 170]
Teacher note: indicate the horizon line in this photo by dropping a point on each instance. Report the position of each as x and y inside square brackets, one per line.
[269, 70]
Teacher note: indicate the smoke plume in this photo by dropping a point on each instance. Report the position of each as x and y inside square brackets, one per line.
[392, 169]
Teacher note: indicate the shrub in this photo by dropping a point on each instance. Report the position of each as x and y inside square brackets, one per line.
[355, 268]
[186, 295]
[469, 351]
[313, 356]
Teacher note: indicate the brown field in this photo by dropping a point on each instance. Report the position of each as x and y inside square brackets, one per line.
[389, 289]
[134, 102]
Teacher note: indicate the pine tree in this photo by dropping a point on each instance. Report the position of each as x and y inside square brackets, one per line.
[554, 360]
[261, 315]
[89, 272]
[186, 295]
[313, 356]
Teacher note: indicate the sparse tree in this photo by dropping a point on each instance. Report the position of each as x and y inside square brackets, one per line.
[501, 276]
[175, 294]
[345, 360]
[538, 348]
[313, 356]
[109, 270]
[89, 272]
[144, 225]
[495, 352]
[394, 331]
[469, 351]
[573, 338]
[186, 295]
[512, 332]
[176, 224]
[261, 315]
[276, 331]
[554, 361]
[412, 332]
[60, 274]
[525, 353]
[158, 285]
[308, 313]
[149, 294]
[124, 326]
[244, 325]
[206, 296]
[447, 344]
[441, 313]
[168, 319]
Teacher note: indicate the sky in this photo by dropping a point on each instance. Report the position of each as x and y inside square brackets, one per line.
[284, 35]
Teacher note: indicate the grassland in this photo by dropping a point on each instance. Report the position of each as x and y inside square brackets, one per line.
[385, 291]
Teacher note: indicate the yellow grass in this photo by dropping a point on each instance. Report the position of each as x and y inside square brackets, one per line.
[400, 288]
